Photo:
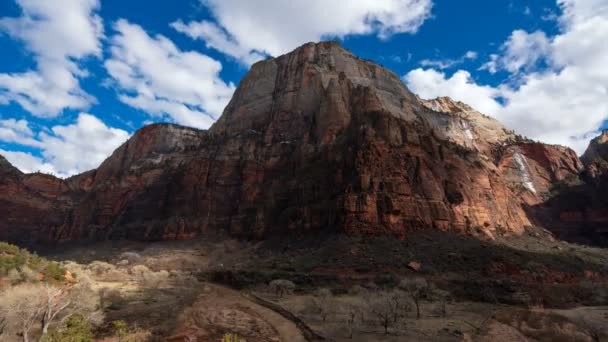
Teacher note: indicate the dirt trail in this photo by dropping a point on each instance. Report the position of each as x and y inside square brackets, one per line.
[219, 310]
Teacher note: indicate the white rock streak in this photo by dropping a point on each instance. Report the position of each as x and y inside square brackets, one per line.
[525, 174]
[467, 130]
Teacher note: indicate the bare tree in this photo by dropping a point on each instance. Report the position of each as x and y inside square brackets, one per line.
[3, 324]
[282, 287]
[22, 306]
[444, 297]
[417, 289]
[321, 301]
[56, 300]
[26, 305]
[383, 307]
[399, 303]
[351, 311]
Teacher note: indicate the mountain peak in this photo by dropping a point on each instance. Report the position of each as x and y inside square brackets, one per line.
[445, 104]
[597, 151]
[311, 92]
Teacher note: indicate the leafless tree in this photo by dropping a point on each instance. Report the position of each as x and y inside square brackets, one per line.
[26, 305]
[321, 300]
[383, 307]
[22, 306]
[417, 289]
[351, 311]
[282, 287]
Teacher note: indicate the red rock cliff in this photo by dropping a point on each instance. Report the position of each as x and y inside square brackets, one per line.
[317, 139]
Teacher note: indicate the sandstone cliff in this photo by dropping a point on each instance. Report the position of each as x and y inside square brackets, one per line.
[315, 140]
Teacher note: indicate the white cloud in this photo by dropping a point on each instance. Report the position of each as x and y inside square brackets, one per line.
[460, 86]
[217, 38]
[155, 76]
[58, 33]
[448, 63]
[65, 150]
[247, 30]
[522, 51]
[16, 131]
[564, 104]
[26, 162]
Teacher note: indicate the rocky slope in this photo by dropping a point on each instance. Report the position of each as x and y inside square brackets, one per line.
[315, 140]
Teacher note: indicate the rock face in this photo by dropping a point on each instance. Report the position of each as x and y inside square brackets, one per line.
[315, 140]
[579, 209]
[596, 155]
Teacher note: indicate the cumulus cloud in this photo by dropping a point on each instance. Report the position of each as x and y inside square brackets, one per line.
[16, 131]
[153, 75]
[522, 51]
[565, 102]
[26, 162]
[430, 83]
[59, 34]
[248, 30]
[65, 150]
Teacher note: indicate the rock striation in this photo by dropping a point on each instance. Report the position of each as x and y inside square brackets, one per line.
[314, 140]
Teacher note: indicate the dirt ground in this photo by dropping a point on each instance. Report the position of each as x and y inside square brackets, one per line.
[210, 282]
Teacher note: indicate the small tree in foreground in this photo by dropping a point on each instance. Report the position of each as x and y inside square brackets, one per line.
[322, 303]
[281, 287]
[417, 289]
[28, 305]
[350, 311]
[383, 307]
[22, 307]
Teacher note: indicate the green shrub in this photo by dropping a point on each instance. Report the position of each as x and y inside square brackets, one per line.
[13, 258]
[232, 338]
[54, 271]
[121, 329]
[75, 329]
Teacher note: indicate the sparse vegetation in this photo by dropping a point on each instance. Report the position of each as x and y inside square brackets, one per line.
[20, 265]
[74, 329]
[282, 287]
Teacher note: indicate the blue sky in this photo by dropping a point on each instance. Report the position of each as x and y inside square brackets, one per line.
[77, 77]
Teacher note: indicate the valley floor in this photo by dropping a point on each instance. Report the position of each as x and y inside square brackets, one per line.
[529, 288]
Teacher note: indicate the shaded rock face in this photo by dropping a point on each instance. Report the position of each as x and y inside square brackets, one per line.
[315, 140]
[578, 209]
[596, 155]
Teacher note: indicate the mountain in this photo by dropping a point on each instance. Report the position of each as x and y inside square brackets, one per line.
[317, 140]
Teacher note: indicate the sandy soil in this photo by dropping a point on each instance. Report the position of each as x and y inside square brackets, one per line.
[219, 310]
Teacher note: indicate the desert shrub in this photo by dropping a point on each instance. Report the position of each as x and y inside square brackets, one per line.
[282, 287]
[29, 275]
[121, 328]
[14, 276]
[150, 278]
[138, 270]
[100, 268]
[15, 258]
[75, 329]
[54, 271]
[126, 333]
[232, 338]
[541, 326]
[358, 291]
[7, 248]
[131, 257]
[111, 298]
